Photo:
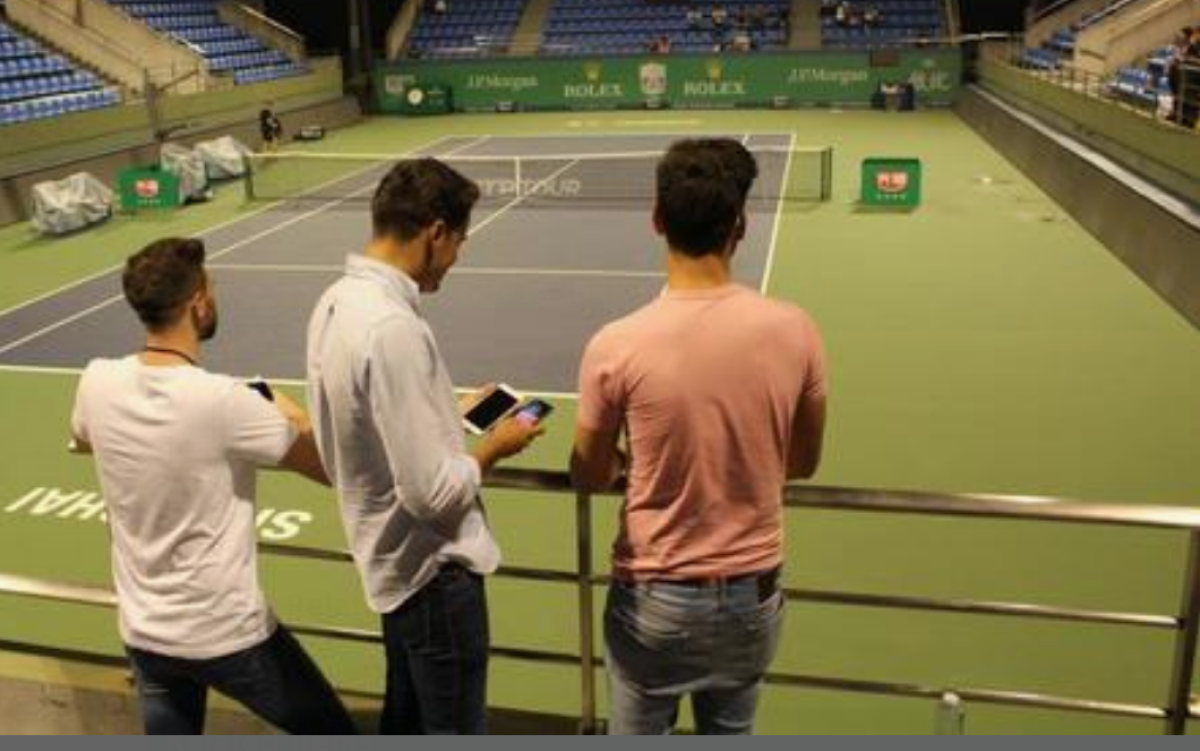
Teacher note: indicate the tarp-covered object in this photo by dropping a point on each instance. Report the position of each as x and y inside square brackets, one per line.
[224, 157]
[64, 206]
[190, 167]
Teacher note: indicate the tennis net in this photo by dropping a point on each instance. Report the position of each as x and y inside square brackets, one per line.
[570, 181]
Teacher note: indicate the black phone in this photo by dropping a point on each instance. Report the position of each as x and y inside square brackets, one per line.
[535, 410]
[491, 409]
[263, 389]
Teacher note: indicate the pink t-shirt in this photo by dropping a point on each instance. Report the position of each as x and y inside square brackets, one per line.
[707, 385]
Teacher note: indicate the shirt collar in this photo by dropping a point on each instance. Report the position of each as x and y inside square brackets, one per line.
[399, 285]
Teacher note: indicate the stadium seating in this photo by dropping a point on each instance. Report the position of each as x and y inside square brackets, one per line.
[226, 48]
[36, 84]
[1061, 44]
[1142, 86]
[590, 27]
[900, 23]
[469, 28]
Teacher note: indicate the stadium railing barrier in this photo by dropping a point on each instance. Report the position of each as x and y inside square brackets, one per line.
[949, 702]
[1012, 53]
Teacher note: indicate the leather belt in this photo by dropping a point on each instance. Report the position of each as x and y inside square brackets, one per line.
[766, 581]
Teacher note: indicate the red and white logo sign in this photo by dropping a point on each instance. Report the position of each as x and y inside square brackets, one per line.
[892, 182]
[147, 188]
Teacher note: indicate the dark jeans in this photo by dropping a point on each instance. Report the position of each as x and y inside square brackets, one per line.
[276, 680]
[437, 656]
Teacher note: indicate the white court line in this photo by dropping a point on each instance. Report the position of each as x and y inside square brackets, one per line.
[655, 124]
[783, 189]
[614, 274]
[461, 391]
[461, 271]
[519, 199]
[225, 251]
[464, 147]
[51, 328]
[203, 233]
[291, 382]
[610, 135]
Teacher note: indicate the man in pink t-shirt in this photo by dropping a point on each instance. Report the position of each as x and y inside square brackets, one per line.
[720, 393]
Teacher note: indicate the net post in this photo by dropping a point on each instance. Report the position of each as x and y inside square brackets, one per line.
[1179, 699]
[248, 176]
[587, 643]
[827, 174]
[520, 175]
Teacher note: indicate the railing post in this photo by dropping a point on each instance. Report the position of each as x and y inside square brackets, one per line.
[950, 717]
[587, 641]
[1185, 642]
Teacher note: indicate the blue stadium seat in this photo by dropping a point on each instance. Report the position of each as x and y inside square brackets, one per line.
[227, 49]
[628, 26]
[36, 83]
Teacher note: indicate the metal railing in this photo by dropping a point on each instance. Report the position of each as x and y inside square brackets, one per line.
[1174, 712]
[1011, 53]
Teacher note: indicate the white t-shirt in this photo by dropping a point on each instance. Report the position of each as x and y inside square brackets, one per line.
[177, 451]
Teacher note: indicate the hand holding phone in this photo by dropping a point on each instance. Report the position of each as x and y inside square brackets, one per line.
[262, 387]
[490, 409]
[534, 411]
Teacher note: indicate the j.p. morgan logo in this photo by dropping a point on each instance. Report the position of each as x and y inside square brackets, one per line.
[843, 78]
[497, 82]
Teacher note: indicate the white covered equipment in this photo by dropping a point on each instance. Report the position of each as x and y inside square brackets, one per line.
[63, 206]
[224, 157]
[189, 166]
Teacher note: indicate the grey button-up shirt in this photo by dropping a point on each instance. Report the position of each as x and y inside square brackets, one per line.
[390, 436]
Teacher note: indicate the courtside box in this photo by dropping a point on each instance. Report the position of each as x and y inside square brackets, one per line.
[892, 182]
[148, 188]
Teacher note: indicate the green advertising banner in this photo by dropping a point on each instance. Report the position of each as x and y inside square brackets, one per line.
[148, 188]
[702, 82]
[891, 182]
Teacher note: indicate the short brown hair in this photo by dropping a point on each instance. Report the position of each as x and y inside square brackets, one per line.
[161, 278]
[416, 194]
[703, 185]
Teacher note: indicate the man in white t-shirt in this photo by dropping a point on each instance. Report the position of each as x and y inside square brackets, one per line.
[177, 450]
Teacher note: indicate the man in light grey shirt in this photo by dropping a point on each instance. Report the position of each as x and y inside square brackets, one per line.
[390, 434]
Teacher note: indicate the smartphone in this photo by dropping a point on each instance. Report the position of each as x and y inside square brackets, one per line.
[263, 389]
[491, 409]
[535, 411]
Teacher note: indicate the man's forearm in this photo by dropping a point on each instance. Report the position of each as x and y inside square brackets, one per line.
[595, 476]
[486, 456]
[305, 460]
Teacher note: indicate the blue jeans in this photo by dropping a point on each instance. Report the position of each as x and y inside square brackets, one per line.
[437, 657]
[276, 680]
[666, 641]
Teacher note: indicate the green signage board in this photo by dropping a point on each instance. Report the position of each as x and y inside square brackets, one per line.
[685, 81]
[891, 182]
[417, 98]
[148, 188]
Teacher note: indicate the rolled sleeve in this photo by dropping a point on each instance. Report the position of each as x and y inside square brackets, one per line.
[435, 484]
